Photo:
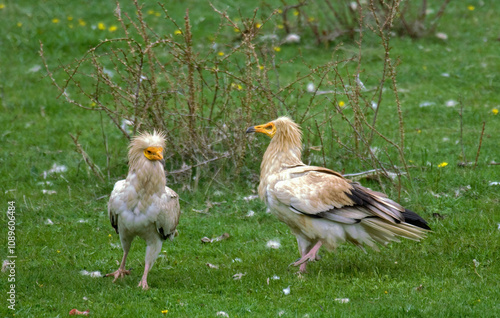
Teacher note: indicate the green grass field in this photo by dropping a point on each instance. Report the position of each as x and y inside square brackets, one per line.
[437, 277]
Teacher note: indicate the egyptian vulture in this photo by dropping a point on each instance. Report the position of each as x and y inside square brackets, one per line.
[320, 206]
[141, 205]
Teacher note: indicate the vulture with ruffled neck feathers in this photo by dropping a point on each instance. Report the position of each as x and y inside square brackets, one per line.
[142, 205]
[320, 206]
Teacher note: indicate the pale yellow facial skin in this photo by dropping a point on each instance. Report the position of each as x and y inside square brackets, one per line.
[268, 129]
[154, 153]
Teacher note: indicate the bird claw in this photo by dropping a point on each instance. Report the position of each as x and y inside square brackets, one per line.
[143, 284]
[119, 273]
[303, 260]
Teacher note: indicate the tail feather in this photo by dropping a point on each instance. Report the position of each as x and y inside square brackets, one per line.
[415, 219]
[384, 232]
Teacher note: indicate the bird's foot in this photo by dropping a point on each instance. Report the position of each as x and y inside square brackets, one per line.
[144, 284]
[119, 273]
[309, 257]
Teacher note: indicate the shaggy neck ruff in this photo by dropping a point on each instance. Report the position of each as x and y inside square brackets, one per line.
[284, 150]
[148, 176]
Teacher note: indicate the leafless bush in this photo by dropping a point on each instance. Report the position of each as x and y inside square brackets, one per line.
[330, 20]
[203, 99]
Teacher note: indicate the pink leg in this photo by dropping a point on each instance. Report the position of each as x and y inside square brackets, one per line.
[152, 250]
[121, 271]
[310, 256]
[144, 280]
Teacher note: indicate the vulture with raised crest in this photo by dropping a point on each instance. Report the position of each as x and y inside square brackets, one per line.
[142, 205]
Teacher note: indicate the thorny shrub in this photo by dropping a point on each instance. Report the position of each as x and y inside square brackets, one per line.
[204, 99]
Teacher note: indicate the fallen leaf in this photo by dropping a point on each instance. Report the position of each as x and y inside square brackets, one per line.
[212, 266]
[222, 313]
[438, 216]
[6, 264]
[217, 239]
[49, 222]
[77, 312]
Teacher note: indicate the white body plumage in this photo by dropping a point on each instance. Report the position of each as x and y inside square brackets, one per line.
[142, 205]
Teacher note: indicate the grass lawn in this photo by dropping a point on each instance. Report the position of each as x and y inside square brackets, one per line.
[455, 272]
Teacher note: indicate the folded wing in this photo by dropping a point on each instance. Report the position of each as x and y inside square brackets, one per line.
[322, 193]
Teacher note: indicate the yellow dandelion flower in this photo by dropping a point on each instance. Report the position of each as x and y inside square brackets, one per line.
[151, 12]
[70, 18]
[471, 8]
[70, 25]
[258, 25]
[280, 26]
[164, 311]
[157, 14]
[280, 11]
[236, 30]
[2, 6]
[58, 251]
[113, 28]
[296, 13]
[442, 164]
[236, 86]
[277, 48]
[261, 67]
[220, 53]
[109, 235]
[101, 26]
[93, 105]
[386, 292]
[341, 103]
[177, 32]
[19, 24]
[419, 131]
[81, 22]
[494, 111]
[55, 20]
[311, 19]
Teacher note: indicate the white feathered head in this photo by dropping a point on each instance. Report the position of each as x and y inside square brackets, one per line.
[146, 146]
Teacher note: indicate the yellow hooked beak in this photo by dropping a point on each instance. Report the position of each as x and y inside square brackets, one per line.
[154, 153]
[268, 129]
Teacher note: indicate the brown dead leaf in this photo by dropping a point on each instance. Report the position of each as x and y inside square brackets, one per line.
[217, 239]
